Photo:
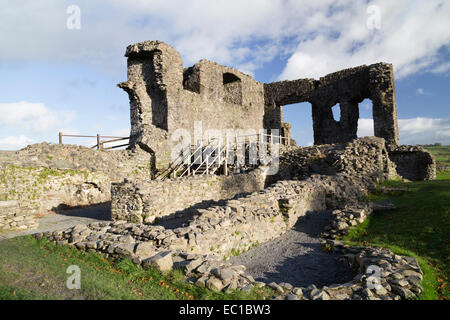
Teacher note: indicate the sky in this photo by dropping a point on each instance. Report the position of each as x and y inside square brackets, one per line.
[60, 60]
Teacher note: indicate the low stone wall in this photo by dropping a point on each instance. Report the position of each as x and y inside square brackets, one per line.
[414, 163]
[145, 200]
[202, 247]
[365, 158]
[25, 192]
[12, 216]
[221, 230]
[201, 241]
[47, 177]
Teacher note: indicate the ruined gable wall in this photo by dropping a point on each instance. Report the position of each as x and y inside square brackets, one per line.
[164, 97]
[348, 88]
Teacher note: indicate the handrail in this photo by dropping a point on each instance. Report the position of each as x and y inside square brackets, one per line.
[206, 159]
[210, 164]
[171, 169]
[190, 165]
[220, 151]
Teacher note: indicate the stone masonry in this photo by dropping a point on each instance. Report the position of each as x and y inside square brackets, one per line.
[49, 177]
[210, 235]
[165, 97]
[196, 223]
[141, 200]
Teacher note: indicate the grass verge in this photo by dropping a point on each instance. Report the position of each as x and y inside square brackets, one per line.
[419, 227]
[36, 269]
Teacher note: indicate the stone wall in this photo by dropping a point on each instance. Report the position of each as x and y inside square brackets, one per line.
[414, 163]
[13, 216]
[144, 200]
[201, 241]
[50, 177]
[367, 154]
[239, 223]
[42, 190]
[346, 88]
[165, 97]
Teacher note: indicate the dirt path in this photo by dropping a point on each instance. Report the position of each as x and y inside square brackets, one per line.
[296, 257]
[65, 219]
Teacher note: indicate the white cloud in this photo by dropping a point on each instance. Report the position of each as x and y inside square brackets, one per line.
[413, 131]
[319, 36]
[441, 68]
[365, 127]
[424, 130]
[15, 142]
[410, 37]
[31, 117]
[420, 91]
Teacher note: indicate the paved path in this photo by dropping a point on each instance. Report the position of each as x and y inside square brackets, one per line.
[66, 219]
[296, 257]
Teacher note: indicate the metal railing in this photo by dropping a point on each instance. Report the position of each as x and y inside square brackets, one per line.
[219, 159]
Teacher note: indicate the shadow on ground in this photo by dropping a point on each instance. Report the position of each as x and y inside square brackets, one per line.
[101, 211]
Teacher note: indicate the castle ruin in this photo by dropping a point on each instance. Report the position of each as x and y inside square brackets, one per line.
[196, 222]
[165, 97]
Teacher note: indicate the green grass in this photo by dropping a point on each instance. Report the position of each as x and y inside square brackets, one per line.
[419, 227]
[36, 269]
[441, 154]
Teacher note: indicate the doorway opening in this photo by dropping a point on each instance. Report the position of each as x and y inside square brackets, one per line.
[299, 115]
[365, 122]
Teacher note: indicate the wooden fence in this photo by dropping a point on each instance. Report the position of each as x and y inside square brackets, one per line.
[100, 143]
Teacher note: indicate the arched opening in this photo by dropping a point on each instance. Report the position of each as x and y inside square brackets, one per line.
[299, 115]
[232, 88]
[365, 122]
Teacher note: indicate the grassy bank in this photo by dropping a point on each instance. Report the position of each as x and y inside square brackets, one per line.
[419, 227]
[36, 269]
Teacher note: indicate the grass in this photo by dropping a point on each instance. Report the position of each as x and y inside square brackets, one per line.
[441, 155]
[419, 227]
[36, 269]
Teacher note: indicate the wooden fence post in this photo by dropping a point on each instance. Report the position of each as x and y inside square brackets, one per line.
[60, 137]
[98, 142]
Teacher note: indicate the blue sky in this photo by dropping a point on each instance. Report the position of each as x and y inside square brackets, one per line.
[59, 79]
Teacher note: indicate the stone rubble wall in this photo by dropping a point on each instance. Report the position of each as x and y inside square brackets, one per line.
[202, 245]
[413, 163]
[347, 88]
[12, 216]
[42, 189]
[145, 200]
[365, 158]
[48, 177]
